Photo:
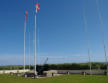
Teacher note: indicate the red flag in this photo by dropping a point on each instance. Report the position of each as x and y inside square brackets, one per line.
[26, 15]
[37, 7]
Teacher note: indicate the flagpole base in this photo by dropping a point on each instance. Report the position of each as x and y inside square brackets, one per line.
[36, 76]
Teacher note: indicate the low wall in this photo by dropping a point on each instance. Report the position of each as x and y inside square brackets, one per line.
[83, 72]
[12, 71]
[95, 72]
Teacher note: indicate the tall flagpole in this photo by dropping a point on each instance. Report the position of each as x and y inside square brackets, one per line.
[25, 37]
[35, 47]
[101, 26]
[35, 50]
[86, 30]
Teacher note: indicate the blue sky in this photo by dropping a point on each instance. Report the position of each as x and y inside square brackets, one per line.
[61, 30]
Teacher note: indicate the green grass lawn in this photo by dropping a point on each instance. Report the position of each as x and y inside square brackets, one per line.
[59, 79]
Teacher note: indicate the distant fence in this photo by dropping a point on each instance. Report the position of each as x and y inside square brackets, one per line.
[12, 71]
[94, 72]
[51, 73]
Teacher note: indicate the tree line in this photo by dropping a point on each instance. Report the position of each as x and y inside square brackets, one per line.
[45, 67]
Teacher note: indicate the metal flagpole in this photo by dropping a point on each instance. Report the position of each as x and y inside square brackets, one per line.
[101, 26]
[24, 37]
[35, 50]
[86, 30]
[35, 47]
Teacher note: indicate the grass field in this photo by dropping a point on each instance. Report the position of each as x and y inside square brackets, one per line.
[60, 79]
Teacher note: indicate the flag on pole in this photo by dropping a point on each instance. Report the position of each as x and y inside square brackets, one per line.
[37, 7]
[26, 15]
